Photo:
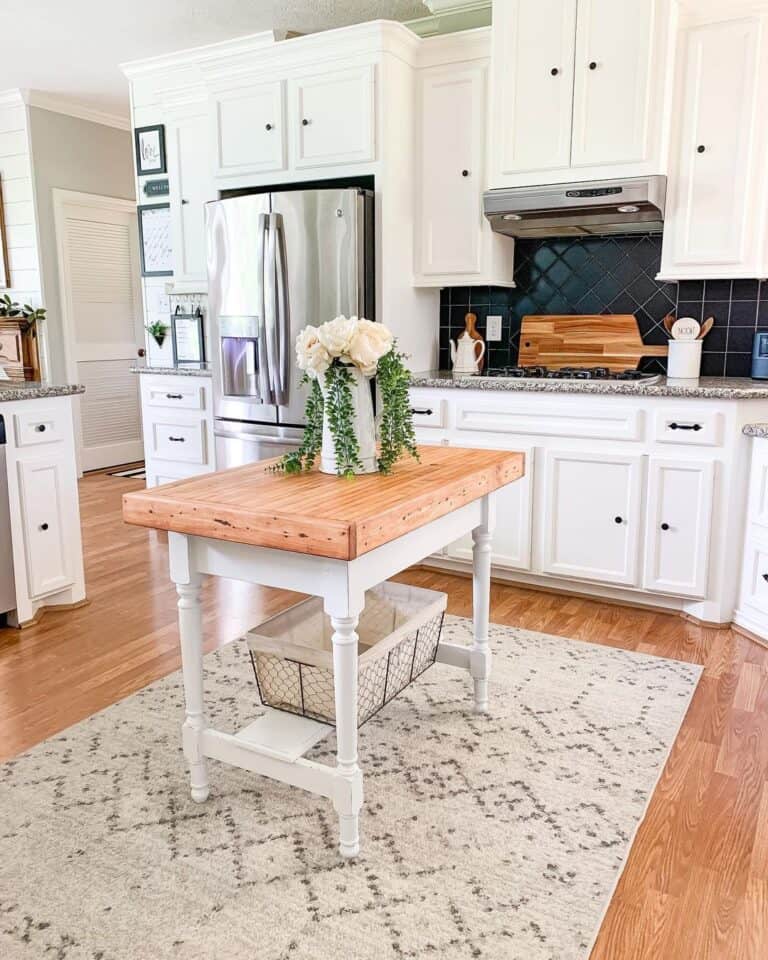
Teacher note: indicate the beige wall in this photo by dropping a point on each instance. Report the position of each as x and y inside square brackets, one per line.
[71, 154]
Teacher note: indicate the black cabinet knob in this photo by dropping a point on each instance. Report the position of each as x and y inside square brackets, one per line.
[765, 577]
[701, 148]
[618, 520]
[465, 173]
[305, 122]
[593, 65]
[554, 71]
[267, 126]
[40, 428]
[43, 526]
[665, 526]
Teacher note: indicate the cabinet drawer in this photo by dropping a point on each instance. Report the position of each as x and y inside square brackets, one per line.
[700, 428]
[755, 585]
[428, 413]
[45, 540]
[182, 442]
[35, 427]
[187, 396]
[606, 421]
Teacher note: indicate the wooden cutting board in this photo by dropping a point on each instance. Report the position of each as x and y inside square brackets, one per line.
[584, 340]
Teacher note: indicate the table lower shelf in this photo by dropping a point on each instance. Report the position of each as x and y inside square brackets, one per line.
[284, 736]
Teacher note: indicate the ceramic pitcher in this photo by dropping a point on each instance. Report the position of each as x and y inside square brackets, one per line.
[465, 356]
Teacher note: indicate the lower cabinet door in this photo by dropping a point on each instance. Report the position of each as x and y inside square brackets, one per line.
[591, 516]
[511, 543]
[41, 483]
[678, 524]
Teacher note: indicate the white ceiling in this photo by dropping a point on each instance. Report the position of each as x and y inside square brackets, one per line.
[72, 48]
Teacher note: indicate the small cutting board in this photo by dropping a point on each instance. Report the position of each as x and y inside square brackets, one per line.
[584, 340]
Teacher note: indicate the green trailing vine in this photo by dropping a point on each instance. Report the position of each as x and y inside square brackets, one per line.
[397, 434]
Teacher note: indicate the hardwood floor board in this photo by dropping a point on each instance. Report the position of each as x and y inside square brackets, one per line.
[695, 886]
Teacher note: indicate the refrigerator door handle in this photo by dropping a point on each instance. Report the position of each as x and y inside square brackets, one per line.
[270, 305]
[283, 317]
[265, 387]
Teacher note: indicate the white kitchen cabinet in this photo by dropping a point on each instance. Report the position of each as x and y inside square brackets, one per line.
[249, 129]
[678, 524]
[611, 90]
[333, 117]
[453, 241]
[579, 89]
[512, 535]
[191, 187]
[45, 524]
[591, 516]
[533, 60]
[714, 227]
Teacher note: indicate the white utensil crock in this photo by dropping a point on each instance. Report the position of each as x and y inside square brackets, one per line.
[684, 362]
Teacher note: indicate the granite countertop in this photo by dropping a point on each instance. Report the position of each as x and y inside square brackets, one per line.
[755, 429]
[31, 390]
[187, 370]
[710, 388]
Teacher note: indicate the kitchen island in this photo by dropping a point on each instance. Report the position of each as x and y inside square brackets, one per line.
[332, 538]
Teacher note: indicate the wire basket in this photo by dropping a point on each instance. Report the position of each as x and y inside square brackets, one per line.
[398, 635]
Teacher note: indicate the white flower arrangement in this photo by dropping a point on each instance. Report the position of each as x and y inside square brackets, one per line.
[349, 340]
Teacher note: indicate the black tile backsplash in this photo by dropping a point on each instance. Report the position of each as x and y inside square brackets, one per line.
[611, 275]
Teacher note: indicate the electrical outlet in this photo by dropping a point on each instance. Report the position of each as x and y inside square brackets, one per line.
[493, 328]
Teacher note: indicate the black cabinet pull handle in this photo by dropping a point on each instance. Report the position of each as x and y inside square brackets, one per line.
[40, 428]
[554, 71]
[593, 65]
[685, 426]
[43, 526]
[665, 526]
[267, 126]
[421, 411]
[305, 122]
[618, 520]
[173, 396]
[176, 439]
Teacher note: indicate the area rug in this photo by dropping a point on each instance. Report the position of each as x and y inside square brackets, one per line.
[500, 836]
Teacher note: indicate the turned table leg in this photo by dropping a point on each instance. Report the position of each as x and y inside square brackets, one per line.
[349, 796]
[480, 666]
[191, 634]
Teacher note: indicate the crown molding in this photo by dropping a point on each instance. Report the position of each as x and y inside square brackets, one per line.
[451, 16]
[252, 43]
[459, 47]
[70, 108]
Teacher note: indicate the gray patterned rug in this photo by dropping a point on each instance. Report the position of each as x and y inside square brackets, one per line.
[490, 837]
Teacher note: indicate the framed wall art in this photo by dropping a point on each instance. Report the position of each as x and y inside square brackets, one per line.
[155, 240]
[150, 150]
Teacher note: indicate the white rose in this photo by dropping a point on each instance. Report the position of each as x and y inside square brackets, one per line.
[311, 355]
[336, 334]
[369, 343]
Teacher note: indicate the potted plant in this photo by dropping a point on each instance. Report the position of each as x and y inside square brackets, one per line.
[338, 360]
[158, 331]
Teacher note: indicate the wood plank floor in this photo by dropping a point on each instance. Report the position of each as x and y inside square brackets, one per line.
[696, 883]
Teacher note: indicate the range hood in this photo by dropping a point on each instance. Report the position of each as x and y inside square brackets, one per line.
[592, 208]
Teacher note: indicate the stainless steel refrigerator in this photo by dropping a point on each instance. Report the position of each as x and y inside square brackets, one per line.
[276, 262]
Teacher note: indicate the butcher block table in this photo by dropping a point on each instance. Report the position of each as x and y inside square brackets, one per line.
[333, 538]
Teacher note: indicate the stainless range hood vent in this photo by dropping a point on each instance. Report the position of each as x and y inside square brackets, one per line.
[593, 208]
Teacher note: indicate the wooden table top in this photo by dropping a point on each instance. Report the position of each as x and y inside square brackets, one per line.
[322, 515]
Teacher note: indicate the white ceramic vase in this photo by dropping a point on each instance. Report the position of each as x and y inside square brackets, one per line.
[363, 425]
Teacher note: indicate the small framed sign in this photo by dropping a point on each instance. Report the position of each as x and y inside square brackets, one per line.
[187, 337]
[150, 150]
[156, 188]
[155, 240]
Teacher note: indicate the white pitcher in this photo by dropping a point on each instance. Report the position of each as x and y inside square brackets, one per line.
[465, 357]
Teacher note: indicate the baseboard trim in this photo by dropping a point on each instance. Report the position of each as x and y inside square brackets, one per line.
[63, 607]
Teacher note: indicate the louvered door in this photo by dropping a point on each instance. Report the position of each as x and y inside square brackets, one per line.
[101, 306]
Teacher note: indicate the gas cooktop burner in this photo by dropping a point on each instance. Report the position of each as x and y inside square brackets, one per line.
[571, 373]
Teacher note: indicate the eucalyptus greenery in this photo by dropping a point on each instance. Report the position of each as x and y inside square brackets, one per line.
[396, 422]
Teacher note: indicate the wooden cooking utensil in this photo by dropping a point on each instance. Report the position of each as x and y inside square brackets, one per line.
[591, 340]
[470, 321]
[706, 327]
[668, 322]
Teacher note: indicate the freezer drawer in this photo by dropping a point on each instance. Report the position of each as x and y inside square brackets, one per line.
[237, 446]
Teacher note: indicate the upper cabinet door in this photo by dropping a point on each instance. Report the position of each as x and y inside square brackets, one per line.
[533, 81]
[191, 187]
[452, 107]
[614, 45]
[333, 116]
[249, 129]
[711, 206]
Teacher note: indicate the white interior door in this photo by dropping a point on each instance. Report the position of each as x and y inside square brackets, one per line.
[99, 276]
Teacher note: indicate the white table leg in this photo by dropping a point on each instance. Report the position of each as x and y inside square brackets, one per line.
[349, 798]
[191, 634]
[480, 665]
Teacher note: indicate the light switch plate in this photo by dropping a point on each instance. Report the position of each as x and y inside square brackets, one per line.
[493, 328]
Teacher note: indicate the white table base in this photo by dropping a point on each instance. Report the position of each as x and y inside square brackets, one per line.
[262, 749]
